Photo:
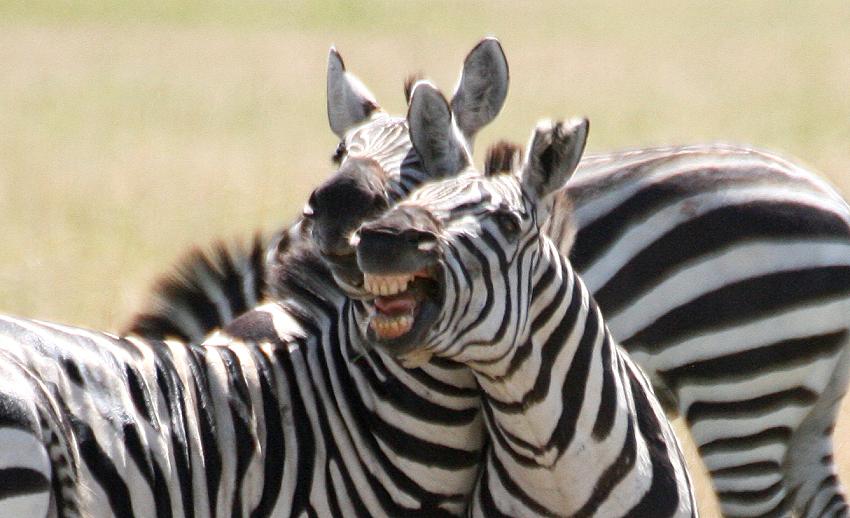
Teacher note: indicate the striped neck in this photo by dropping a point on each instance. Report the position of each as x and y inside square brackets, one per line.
[562, 400]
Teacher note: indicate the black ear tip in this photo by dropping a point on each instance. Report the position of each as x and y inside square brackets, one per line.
[423, 87]
[488, 50]
[574, 126]
[491, 44]
[334, 59]
[582, 123]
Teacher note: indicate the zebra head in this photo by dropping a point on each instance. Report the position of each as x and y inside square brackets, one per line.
[451, 269]
[379, 163]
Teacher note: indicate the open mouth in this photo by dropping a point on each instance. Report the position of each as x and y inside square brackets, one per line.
[403, 308]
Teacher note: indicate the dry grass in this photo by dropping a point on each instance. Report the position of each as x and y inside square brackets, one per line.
[129, 131]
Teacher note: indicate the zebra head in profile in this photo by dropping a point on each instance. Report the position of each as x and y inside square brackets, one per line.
[461, 270]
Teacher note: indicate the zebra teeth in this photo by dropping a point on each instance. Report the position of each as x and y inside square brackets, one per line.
[388, 328]
[384, 285]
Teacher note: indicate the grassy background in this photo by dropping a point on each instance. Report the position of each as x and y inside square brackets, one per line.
[130, 131]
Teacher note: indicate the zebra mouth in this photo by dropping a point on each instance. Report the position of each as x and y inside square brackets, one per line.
[403, 308]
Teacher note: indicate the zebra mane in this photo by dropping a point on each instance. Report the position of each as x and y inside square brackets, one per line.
[297, 271]
[505, 157]
[502, 157]
[205, 290]
[409, 81]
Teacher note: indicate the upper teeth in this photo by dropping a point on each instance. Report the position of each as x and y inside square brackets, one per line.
[386, 284]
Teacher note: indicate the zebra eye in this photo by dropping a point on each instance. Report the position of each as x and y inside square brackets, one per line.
[339, 153]
[508, 223]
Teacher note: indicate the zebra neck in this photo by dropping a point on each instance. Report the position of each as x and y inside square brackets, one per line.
[454, 382]
[563, 401]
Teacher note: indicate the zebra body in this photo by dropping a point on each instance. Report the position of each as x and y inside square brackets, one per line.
[725, 273]
[286, 412]
[289, 417]
[574, 427]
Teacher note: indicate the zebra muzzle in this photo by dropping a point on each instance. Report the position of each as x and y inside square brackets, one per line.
[398, 300]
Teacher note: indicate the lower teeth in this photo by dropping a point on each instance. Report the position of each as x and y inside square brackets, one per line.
[391, 327]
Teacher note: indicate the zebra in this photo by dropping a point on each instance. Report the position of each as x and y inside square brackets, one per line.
[461, 270]
[288, 411]
[298, 417]
[633, 210]
[377, 166]
[762, 407]
[724, 272]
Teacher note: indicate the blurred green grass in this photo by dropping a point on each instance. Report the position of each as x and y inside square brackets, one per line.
[131, 130]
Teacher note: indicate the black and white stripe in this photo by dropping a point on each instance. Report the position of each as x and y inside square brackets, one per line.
[290, 416]
[285, 412]
[725, 272]
[636, 212]
[207, 290]
[748, 251]
[574, 427]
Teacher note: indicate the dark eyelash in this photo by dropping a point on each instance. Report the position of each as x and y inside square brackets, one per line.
[507, 222]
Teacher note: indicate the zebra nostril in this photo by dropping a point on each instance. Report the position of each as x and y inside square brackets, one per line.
[412, 237]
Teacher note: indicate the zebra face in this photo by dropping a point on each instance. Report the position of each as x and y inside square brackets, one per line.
[376, 157]
[451, 268]
[356, 192]
[423, 265]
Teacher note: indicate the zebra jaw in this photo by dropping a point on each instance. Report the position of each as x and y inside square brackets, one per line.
[385, 326]
[397, 302]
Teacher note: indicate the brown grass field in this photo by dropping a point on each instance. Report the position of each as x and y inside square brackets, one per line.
[130, 131]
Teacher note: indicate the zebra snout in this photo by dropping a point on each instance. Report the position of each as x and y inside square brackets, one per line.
[385, 248]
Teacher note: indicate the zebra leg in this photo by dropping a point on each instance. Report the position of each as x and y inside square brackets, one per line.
[25, 466]
[770, 453]
[760, 398]
[809, 467]
[746, 469]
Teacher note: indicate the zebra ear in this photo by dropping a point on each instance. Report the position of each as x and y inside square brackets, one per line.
[554, 154]
[433, 132]
[349, 101]
[482, 87]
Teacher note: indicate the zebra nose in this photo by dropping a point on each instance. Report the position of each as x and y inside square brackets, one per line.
[384, 249]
